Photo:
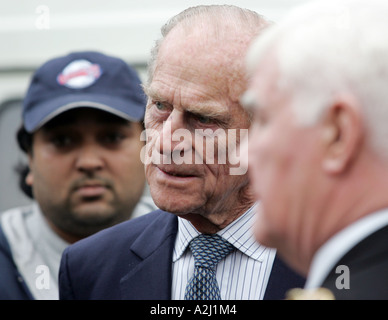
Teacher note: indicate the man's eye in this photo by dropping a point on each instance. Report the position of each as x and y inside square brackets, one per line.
[159, 105]
[113, 138]
[62, 141]
[204, 120]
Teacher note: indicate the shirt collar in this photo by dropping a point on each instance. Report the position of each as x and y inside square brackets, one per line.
[331, 252]
[239, 233]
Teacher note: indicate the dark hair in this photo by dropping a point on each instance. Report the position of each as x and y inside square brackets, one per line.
[24, 140]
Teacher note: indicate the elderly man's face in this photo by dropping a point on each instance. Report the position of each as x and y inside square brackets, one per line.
[193, 88]
[283, 161]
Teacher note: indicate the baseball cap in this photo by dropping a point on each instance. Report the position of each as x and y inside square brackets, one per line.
[83, 79]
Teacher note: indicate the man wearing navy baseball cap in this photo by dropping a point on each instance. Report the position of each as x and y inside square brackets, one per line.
[82, 120]
[88, 79]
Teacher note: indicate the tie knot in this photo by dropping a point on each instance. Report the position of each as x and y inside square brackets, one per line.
[209, 250]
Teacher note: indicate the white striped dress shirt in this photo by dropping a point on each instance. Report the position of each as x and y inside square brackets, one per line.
[242, 275]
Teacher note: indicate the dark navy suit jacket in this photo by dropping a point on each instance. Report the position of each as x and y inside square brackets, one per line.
[367, 263]
[133, 260]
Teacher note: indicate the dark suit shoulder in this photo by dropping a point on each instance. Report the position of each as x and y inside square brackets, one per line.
[363, 270]
[122, 234]
[92, 267]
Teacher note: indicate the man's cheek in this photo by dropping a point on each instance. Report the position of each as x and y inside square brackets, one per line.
[150, 137]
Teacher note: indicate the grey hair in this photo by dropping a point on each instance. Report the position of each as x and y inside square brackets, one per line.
[329, 48]
[217, 14]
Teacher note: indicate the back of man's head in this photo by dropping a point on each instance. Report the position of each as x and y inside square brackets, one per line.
[348, 38]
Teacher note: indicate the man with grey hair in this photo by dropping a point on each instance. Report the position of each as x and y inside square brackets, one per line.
[201, 245]
[318, 155]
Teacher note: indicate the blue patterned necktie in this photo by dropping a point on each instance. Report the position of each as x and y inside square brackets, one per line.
[208, 251]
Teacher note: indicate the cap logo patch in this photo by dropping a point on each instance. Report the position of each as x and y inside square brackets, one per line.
[79, 74]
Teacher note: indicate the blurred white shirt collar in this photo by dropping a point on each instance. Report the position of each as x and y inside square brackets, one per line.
[336, 247]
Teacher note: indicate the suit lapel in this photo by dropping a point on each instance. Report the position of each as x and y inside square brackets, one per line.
[150, 270]
[282, 279]
[149, 277]
[367, 264]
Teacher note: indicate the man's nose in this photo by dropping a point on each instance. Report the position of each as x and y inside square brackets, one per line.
[174, 133]
[89, 158]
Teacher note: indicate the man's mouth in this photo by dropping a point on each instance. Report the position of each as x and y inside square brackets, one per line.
[90, 189]
[178, 172]
[175, 174]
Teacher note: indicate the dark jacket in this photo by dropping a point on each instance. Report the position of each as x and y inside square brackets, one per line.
[12, 285]
[367, 270]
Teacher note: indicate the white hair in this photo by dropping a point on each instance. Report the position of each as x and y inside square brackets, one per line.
[202, 16]
[328, 48]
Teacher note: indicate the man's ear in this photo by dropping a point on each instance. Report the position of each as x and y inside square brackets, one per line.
[342, 135]
[29, 177]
